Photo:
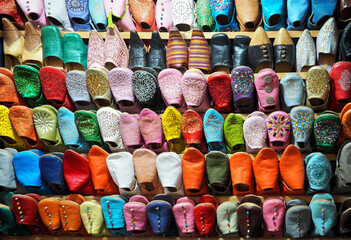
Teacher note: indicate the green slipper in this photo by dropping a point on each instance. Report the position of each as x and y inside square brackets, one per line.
[233, 133]
[45, 121]
[7, 219]
[75, 53]
[88, 126]
[52, 46]
[58, 145]
[27, 81]
[326, 130]
[41, 100]
[218, 173]
[204, 16]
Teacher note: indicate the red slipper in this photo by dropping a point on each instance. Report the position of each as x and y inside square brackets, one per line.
[193, 131]
[219, 86]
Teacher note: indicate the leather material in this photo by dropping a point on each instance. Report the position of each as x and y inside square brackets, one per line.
[74, 52]
[137, 52]
[274, 13]
[278, 139]
[267, 87]
[221, 50]
[156, 57]
[249, 219]
[284, 54]
[56, 13]
[199, 51]
[340, 83]
[12, 11]
[78, 13]
[205, 219]
[227, 219]
[177, 50]
[143, 13]
[240, 51]
[52, 45]
[98, 15]
[345, 45]
[26, 165]
[258, 55]
[7, 173]
[112, 209]
[321, 11]
[318, 173]
[8, 222]
[273, 212]
[297, 17]
[248, 14]
[242, 174]
[77, 173]
[48, 209]
[298, 219]
[163, 15]
[341, 183]
[33, 47]
[34, 11]
[183, 213]
[160, 216]
[344, 220]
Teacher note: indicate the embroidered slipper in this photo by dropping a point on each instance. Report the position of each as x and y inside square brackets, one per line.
[88, 126]
[305, 52]
[233, 133]
[213, 128]
[193, 131]
[98, 15]
[27, 81]
[77, 59]
[267, 87]
[146, 172]
[340, 81]
[22, 121]
[219, 86]
[318, 173]
[96, 50]
[292, 91]
[218, 173]
[255, 132]
[318, 88]
[45, 121]
[326, 130]
[7, 172]
[78, 13]
[152, 131]
[13, 44]
[77, 88]
[7, 132]
[194, 88]
[242, 174]
[204, 16]
[145, 88]
[279, 128]
[170, 86]
[302, 119]
[143, 15]
[55, 93]
[130, 132]
[266, 170]
[184, 15]
[172, 128]
[98, 86]
[169, 170]
[109, 119]
[121, 168]
[120, 80]
[243, 87]
[51, 168]
[102, 180]
[33, 47]
[163, 15]
[9, 95]
[116, 50]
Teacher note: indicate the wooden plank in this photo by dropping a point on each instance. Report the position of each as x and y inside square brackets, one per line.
[187, 35]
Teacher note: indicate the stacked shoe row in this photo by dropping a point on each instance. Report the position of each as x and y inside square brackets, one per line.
[192, 174]
[115, 215]
[161, 15]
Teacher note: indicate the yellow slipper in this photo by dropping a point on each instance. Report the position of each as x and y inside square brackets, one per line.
[7, 133]
[172, 128]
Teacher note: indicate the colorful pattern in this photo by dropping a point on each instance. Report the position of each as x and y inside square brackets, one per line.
[204, 15]
[27, 81]
[213, 127]
[302, 124]
[144, 86]
[192, 127]
[326, 131]
[199, 53]
[220, 90]
[318, 174]
[242, 81]
[97, 83]
[51, 91]
[345, 80]
[219, 5]
[279, 126]
[177, 50]
[76, 6]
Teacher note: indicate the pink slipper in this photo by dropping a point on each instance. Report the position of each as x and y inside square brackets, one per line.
[267, 86]
[279, 128]
[255, 132]
[130, 131]
[122, 89]
[170, 85]
[116, 7]
[126, 23]
[96, 50]
[152, 131]
[164, 18]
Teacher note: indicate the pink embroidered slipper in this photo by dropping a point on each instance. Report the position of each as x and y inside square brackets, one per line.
[152, 131]
[255, 132]
[279, 128]
[96, 50]
[169, 81]
[120, 80]
[130, 131]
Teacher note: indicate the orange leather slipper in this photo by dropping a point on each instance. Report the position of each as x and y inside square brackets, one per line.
[102, 180]
[242, 174]
[266, 170]
[50, 215]
[292, 171]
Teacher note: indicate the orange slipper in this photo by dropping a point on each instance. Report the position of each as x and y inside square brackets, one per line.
[102, 180]
[193, 164]
[50, 214]
[266, 170]
[292, 172]
[8, 93]
[345, 117]
[242, 174]
[22, 120]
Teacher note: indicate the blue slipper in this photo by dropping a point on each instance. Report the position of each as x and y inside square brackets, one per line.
[78, 12]
[274, 12]
[213, 129]
[302, 119]
[321, 11]
[292, 91]
[98, 15]
[297, 11]
[318, 173]
[7, 173]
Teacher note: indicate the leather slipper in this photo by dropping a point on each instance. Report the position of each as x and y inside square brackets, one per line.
[88, 126]
[130, 132]
[98, 86]
[193, 131]
[27, 81]
[219, 86]
[242, 174]
[318, 88]
[213, 128]
[233, 133]
[7, 172]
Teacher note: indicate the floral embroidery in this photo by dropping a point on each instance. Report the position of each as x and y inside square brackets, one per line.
[219, 5]
[305, 51]
[242, 81]
[326, 131]
[121, 85]
[213, 126]
[68, 130]
[77, 85]
[171, 88]
[116, 51]
[291, 88]
[183, 11]
[318, 174]
[192, 125]
[220, 91]
[144, 86]
[43, 122]
[327, 38]
[279, 126]
[255, 132]
[96, 57]
[76, 6]
[194, 90]
[98, 84]
[345, 80]
[86, 125]
[302, 124]
[172, 124]
[204, 14]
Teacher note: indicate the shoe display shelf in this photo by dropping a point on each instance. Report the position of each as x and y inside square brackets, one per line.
[187, 36]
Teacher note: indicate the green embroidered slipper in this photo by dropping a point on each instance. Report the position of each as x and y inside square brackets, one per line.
[88, 126]
[326, 130]
[27, 81]
[45, 122]
[204, 16]
[233, 133]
